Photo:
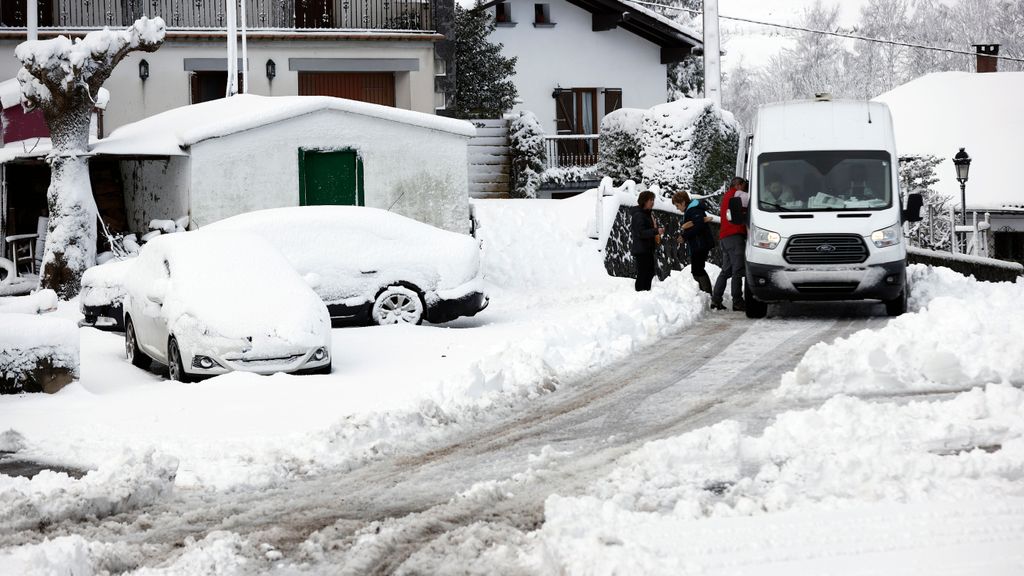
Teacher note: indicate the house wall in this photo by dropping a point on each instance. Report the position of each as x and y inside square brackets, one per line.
[168, 85]
[423, 172]
[572, 55]
[154, 190]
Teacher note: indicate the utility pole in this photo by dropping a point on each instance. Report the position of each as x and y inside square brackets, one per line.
[232, 35]
[712, 54]
[32, 16]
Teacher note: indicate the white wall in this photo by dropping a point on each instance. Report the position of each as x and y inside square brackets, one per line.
[425, 170]
[154, 190]
[132, 99]
[572, 55]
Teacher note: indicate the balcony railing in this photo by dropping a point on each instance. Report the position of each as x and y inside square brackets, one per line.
[565, 150]
[399, 15]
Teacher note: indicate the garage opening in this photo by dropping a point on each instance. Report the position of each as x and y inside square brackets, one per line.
[373, 87]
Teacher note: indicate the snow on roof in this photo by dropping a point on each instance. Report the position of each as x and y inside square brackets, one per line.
[168, 133]
[678, 27]
[942, 112]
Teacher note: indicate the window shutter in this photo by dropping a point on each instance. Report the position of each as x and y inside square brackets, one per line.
[565, 112]
[612, 99]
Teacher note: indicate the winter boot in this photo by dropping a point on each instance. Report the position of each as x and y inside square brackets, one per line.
[704, 282]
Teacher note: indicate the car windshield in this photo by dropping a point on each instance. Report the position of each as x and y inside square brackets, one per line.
[833, 180]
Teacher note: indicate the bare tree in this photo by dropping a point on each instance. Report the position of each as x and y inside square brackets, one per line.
[62, 78]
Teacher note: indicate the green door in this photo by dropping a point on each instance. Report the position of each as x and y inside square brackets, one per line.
[330, 177]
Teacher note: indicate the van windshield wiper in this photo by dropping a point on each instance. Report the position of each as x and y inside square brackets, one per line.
[781, 208]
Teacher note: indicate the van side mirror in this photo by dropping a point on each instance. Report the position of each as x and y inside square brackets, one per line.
[912, 213]
[737, 213]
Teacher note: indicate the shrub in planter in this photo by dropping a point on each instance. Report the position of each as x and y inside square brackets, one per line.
[528, 155]
[688, 145]
[37, 353]
[619, 150]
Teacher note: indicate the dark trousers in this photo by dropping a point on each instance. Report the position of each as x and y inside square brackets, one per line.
[644, 270]
[698, 258]
[733, 268]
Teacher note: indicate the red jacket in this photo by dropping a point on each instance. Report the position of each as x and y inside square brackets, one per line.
[728, 228]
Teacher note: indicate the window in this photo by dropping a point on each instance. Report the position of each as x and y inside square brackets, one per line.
[440, 67]
[612, 99]
[576, 114]
[503, 13]
[824, 181]
[439, 101]
[542, 14]
[206, 85]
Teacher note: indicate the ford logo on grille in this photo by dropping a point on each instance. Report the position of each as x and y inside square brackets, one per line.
[825, 248]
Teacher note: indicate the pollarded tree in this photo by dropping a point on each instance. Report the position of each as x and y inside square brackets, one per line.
[62, 78]
[483, 75]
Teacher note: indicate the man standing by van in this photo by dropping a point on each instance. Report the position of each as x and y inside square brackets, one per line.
[732, 241]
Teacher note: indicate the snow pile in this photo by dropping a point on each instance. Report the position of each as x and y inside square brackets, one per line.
[528, 152]
[131, 481]
[619, 153]
[965, 333]
[717, 498]
[29, 342]
[688, 145]
[38, 302]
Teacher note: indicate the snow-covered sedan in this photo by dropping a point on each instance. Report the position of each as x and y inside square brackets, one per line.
[206, 303]
[373, 266]
[102, 294]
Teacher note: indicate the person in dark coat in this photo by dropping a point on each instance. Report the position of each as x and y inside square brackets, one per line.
[646, 237]
[697, 235]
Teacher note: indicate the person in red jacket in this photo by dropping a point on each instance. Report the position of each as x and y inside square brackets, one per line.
[733, 242]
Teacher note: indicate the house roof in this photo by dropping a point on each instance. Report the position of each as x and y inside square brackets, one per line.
[675, 39]
[940, 113]
[170, 133]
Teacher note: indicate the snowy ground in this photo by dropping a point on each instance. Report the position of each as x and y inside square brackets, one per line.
[912, 463]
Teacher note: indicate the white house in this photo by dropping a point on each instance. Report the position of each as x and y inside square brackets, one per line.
[229, 156]
[940, 113]
[580, 59]
[389, 52]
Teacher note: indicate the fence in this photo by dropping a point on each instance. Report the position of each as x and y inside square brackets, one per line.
[566, 150]
[210, 14]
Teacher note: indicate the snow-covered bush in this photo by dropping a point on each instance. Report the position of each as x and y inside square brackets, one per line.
[562, 176]
[688, 145]
[37, 353]
[526, 149]
[619, 150]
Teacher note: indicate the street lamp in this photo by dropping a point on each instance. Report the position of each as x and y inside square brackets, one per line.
[963, 165]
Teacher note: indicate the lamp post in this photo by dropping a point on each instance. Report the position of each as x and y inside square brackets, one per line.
[963, 165]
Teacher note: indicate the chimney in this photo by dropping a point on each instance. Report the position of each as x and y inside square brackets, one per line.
[986, 62]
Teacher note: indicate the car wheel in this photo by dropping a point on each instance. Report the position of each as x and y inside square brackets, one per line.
[397, 305]
[131, 347]
[175, 369]
[754, 307]
[898, 305]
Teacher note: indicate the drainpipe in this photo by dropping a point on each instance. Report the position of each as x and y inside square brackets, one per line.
[33, 19]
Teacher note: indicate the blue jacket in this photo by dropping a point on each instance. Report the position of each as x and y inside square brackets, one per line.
[699, 238]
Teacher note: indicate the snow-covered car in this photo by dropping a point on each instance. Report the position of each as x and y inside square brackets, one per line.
[206, 303]
[102, 293]
[373, 266]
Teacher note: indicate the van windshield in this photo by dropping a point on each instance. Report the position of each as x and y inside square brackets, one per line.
[832, 180]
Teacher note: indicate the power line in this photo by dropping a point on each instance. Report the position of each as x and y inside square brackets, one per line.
[828, 33]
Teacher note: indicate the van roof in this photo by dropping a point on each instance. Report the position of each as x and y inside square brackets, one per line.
[824, 125]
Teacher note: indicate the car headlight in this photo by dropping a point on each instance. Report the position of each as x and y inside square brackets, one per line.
[886, 236]
[320, 353]
[766, 239]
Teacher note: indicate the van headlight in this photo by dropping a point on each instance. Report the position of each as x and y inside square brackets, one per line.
[886, 236]
[766, 239]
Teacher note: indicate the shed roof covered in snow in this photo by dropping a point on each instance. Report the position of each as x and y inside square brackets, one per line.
[170, 132]
[940, 113]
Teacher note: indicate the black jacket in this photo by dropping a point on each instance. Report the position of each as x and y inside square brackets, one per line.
[642, 231]
[699, 238]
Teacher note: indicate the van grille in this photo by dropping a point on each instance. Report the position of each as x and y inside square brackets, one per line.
[826, 249]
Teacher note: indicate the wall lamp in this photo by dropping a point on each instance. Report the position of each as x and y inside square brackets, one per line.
[143, 69]
[271, 69]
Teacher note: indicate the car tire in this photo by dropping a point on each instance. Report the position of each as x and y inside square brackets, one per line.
[898, 305]
[754, 307]
[175, 368]
[135, 355]
[398, 304]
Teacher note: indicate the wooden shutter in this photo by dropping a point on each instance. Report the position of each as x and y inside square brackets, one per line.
[612, 99]
[373, 87]
[565, 112]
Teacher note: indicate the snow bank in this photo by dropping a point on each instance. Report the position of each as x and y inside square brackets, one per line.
[913, 476]
[134, 480]
[965, 333]
[29, 343]
[36, 303]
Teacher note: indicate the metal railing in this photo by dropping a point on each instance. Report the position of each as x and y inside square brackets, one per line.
[565, 150]
[406, 15]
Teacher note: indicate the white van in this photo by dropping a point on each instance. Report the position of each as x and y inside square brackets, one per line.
[825, 213]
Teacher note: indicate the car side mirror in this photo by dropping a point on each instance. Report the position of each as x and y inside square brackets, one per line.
[912, 213]
[737, 213]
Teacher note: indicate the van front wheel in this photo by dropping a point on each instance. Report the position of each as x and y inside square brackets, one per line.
[755, 308]
[897, 305]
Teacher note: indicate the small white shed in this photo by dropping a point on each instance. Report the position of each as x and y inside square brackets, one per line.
[234, 155]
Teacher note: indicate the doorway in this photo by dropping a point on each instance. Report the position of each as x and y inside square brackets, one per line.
[330, 177]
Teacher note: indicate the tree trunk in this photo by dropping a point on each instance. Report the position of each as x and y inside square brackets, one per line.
[71, 232]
